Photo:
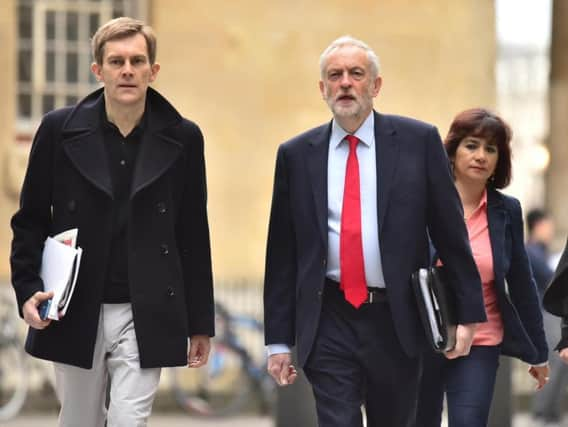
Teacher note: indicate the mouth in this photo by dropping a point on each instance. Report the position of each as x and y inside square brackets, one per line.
[127, 86]
[346, 98]
[478, 168]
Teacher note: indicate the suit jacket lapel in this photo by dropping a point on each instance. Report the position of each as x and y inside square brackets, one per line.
[497, 220]
[318, 148]
[387, 153]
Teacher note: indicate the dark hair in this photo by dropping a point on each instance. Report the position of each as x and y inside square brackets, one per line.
[534, 216]
[482, 123]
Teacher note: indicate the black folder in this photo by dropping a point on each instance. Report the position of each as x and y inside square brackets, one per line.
[436, 306]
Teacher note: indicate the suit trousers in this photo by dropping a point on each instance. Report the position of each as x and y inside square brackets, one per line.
[82, 392]
[358, 361]
[468, 383]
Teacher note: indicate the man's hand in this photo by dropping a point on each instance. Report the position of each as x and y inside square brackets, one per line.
[281, 369]
[31, 314]
[564, 354]
[199, 348]
[540, 374]
[464, 338]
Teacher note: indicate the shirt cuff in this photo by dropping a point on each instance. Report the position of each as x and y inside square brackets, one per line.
[277, 349]
[539, 365]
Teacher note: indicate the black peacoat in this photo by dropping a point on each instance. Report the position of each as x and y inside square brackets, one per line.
[68, 185]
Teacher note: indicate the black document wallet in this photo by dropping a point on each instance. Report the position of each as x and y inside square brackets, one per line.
[436, 306]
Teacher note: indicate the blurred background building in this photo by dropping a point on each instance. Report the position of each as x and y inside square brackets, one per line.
[247, 72]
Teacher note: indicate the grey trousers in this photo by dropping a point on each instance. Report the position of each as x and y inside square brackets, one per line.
[547, 403]
[82, 392]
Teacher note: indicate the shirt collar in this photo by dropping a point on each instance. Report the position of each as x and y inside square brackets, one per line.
[365, 133]
[482, 206]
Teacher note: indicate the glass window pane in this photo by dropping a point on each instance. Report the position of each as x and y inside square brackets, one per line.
[25, 21]
[50, 66]
[93, 23]
[24, 65]
[72, 26]
[50, 25]
[71, 100]
[24, 105]
[72, 67]
[48, 103]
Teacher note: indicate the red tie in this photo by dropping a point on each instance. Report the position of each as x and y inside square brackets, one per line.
[350, 243]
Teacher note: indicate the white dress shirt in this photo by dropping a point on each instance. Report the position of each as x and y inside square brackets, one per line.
[337, 162]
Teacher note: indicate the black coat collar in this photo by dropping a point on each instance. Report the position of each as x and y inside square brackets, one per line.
[83, 141]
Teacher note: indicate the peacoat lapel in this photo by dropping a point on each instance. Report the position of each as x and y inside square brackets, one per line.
[82, 141]
[318, 148]
[159, 149]
[387, 153]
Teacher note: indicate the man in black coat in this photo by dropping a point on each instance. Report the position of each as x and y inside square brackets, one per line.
[126, 170]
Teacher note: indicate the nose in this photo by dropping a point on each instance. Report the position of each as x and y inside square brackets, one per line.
[345, 80]
[480, 155]
[127, 68]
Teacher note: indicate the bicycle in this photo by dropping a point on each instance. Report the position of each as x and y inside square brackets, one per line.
[13, 366]
[232, 376]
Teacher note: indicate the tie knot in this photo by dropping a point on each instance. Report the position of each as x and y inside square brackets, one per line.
[353, 141]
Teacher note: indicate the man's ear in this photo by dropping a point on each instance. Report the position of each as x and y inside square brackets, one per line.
[377, 85]
[322, 89]
[155, 68]
[96, 70]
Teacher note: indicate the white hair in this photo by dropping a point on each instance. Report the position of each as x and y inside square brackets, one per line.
[350, 41]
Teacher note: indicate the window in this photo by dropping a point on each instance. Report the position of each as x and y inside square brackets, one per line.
[54, 53]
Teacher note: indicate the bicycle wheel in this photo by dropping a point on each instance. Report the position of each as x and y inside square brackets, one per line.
[13, 379]
[220, 388]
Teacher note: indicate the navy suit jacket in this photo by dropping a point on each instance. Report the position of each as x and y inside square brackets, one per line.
[514, 284]
[415, 193]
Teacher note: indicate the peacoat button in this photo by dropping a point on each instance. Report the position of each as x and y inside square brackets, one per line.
[71, 206]
[164, 249]
[161, 206]
[171, 291]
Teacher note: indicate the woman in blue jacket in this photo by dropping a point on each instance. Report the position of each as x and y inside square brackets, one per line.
[478, 146]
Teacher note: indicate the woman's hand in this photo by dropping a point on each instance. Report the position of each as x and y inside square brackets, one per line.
[540, 374]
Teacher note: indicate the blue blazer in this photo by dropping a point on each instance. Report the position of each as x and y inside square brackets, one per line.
[415, 192]
[516, 289]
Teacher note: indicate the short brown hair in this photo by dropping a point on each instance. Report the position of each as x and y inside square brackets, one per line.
[482, 123]
[120, 28]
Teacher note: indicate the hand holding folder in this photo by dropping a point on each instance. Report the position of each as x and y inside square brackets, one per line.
[436, 306]
[59, 270]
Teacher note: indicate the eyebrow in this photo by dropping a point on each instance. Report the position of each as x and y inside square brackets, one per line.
[137, 56]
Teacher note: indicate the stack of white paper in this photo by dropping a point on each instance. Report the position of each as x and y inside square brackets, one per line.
[59, 271]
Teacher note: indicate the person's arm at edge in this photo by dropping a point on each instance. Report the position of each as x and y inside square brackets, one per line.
[279, 281]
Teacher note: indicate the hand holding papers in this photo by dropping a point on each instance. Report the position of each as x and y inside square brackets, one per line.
[59, 270]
